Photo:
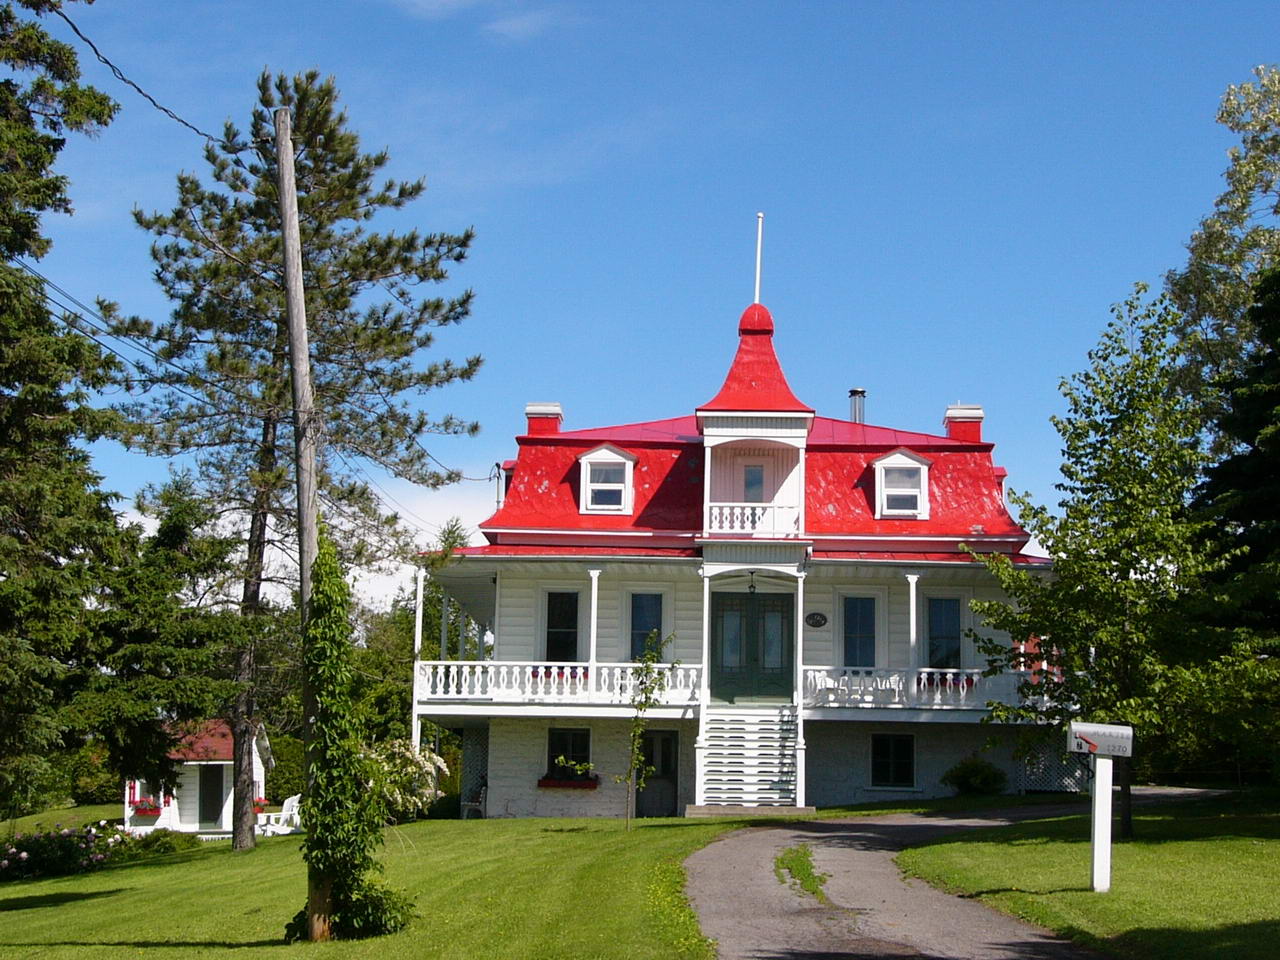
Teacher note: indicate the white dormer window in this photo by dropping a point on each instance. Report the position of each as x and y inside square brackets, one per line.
[902, 486]
[607, 481]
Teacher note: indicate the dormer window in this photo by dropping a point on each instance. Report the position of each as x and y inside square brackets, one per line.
[607, 481]
[902, 486]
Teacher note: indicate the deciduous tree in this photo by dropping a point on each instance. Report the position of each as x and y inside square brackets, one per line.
[1125, 551]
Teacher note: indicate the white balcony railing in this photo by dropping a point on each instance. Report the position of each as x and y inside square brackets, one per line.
[926, 687]
[754, 519]
[520, 681]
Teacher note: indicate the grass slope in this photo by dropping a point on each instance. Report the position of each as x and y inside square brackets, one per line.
[497, 888]
[66, 817]
[1200, 882]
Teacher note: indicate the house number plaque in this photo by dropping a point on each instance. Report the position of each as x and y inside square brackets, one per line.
[816, 620]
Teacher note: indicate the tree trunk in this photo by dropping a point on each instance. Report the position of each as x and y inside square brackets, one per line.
[241, 721]
[319, 903]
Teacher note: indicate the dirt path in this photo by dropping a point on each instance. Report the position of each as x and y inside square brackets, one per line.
[875, 912]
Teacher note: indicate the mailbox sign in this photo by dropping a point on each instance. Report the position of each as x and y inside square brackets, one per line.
[1100, 739]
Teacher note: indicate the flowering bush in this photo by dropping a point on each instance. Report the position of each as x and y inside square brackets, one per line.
[406, 780]
[259, 804]
[66, 850]
[59, 851]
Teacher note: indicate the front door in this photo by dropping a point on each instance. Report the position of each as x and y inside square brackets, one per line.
[752, 641]
[661, 752]
[211, 796]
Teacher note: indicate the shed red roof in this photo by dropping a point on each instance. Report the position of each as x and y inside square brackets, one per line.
[211, 741]
[755, 381]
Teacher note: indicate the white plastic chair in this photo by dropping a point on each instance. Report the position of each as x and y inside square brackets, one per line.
[286, 821]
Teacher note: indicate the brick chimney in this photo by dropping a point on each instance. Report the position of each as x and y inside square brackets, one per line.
[543, 418]
[964, 422]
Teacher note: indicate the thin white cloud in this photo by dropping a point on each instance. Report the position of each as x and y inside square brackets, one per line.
[438, 9]
[523, 26]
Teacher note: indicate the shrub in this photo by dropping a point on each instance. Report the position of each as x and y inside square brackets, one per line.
[405, 779]
[155, 843]
[58, 852]
[370, 910]
[289, 775]
[92, 778]
[974, 776]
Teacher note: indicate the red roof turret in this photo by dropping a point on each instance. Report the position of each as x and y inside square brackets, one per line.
[755, 381]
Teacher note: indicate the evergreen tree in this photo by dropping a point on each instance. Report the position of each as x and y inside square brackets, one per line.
[58, 531]
[222, 393]
[1125, 552]
[1232, 689]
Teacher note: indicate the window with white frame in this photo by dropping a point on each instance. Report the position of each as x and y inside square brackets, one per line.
[606, 481]
[902, 486]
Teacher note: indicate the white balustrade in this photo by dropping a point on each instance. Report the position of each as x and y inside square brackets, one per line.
[760, 519]
[521, 681]
[927, 687]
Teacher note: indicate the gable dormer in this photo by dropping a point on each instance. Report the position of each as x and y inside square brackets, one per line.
[607, 481]
[902, 486]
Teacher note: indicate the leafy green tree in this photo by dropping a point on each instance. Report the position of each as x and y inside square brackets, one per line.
[1233, 245]
[221, 392]
[1124, 549]
[343, 817]
[58, 532]
[384, 657]
[649, 681]
[1233, 689]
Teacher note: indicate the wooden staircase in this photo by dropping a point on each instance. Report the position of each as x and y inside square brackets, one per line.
[747, 758]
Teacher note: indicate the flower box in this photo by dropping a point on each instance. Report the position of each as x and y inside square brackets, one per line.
[146, 812]
[552, 782]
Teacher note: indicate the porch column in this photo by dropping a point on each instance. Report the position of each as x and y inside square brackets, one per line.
[800, 747]
[592, 636]
[704, 695]
[913, 635]
[417, 614]
[416, 720]
[444, 626]
[706, 489]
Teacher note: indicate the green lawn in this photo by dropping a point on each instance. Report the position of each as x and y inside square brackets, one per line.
[484, 888]
[1200, 882]
[67, 817]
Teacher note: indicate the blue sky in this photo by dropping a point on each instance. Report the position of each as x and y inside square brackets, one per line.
[954, 193]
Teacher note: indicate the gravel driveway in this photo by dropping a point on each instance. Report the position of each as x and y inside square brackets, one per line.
[874, 911]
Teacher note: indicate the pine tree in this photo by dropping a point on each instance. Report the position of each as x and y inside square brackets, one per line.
[1231, 688]
[58, 531]
[222, 393]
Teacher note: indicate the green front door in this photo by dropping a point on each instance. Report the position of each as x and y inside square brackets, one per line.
[752, 642]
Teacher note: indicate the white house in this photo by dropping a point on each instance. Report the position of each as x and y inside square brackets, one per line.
[808, 569]
[202, 801]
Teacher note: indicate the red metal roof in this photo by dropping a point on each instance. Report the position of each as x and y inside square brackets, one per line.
[211, 741]
[755, 381]
[899, 556]
[530, 550]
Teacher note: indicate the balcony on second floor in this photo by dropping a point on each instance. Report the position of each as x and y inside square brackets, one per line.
[753, 490]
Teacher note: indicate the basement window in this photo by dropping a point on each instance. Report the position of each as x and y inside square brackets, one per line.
[893, 760]
[606, 481]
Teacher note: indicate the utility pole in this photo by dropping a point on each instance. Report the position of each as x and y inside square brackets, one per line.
[319, 886]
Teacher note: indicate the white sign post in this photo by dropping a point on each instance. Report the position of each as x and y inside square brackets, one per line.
[1102, 742]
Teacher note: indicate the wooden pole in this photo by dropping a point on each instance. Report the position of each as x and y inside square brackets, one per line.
[319, 886]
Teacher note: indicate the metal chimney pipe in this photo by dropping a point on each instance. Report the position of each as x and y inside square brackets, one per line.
[857, 401]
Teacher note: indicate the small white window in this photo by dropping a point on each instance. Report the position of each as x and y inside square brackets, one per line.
[902, 486]
[606, 481]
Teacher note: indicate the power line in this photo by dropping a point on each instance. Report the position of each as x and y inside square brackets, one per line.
[119, 75]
